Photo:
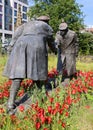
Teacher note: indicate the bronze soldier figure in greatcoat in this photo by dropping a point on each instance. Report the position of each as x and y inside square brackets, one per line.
[29, 56]
[67, 41]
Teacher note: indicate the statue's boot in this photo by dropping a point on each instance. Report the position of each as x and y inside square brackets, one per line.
[13, 92]
[40, 84]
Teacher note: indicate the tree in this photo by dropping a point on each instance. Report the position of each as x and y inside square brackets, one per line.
[86, 43]
[57, 9]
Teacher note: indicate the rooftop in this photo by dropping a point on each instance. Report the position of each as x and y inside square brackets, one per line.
[24, 1]
[89, 29]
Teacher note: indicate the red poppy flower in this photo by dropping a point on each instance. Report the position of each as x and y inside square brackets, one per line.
[49, 109]
[38, 125]
[21, 108]
[64, 125]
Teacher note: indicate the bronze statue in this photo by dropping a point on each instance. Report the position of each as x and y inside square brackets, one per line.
[66, 39]
[59, 61]
[29, 56]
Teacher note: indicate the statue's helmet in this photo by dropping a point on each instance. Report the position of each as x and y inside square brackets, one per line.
[63, 26]
[43, 18]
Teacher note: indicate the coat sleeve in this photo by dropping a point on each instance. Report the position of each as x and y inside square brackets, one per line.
[57, 40]
[18, 32]
[50, 40]
[76, 44]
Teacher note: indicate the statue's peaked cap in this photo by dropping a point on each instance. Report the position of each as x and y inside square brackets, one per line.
[43, 17]
[63, 26]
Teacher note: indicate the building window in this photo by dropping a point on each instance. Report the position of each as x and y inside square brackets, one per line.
[15, 20]
[24, 16]
[0, 21]
[10, 11]
[15, 13]
[0, 17]
[6, 2]
[6, 11]
[24, 9]
[15, 5]
[8, 27]
[0, 25]
[8, 23]
[8, 20]
[0, 8]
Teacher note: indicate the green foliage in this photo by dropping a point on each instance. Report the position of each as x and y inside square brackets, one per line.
[0, 47]
[89, 97]
[58, 9]
[71, 12]
[2, 64]
[86, 43]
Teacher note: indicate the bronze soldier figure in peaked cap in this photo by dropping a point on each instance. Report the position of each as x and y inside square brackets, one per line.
[67, 41]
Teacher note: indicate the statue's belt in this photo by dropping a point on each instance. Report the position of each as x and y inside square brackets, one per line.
[35, 34]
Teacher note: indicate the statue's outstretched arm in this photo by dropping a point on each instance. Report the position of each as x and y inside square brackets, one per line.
[18, 32]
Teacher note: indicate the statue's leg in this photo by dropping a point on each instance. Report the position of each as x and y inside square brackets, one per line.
[59, 62]
[64, 71]
[13, 92]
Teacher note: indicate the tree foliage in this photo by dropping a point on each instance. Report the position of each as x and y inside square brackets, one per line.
[69, 10]
[86, 43]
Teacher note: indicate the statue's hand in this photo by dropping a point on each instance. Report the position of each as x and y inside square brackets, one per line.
[55, 52]
[76, 55]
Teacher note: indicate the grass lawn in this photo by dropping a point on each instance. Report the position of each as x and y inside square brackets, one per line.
[52, 62]
[85, 65]
[2, 64]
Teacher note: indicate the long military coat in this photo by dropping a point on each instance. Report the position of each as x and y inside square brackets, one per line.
[28, 58]
[69, 50]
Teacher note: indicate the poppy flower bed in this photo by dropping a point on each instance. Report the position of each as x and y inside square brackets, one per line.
[50, 110]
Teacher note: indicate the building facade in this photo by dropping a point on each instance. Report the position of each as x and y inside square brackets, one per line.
[8, 17]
